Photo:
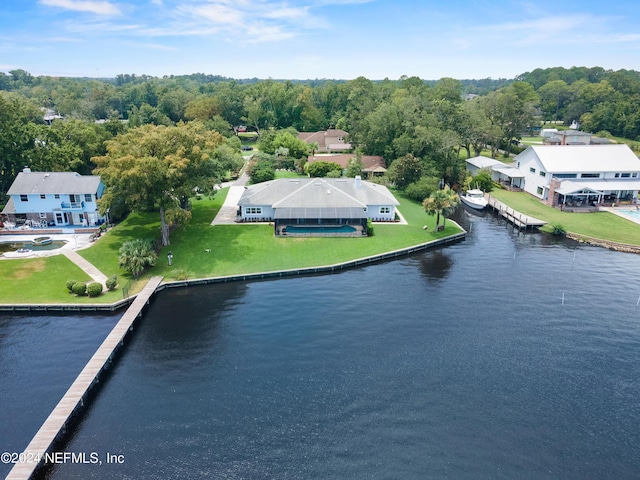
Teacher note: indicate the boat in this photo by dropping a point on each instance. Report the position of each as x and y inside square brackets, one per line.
[41, 241]
[474, 198]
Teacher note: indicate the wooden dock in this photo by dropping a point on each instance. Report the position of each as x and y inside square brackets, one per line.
[54, 426]
[518, 219]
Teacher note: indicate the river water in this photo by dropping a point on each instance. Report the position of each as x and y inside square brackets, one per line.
[508, 355]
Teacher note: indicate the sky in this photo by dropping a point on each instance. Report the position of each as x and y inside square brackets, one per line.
[309, 39]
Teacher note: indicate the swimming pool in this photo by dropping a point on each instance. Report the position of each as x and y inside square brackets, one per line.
[335, 229]
[630, 213]
[14, 246]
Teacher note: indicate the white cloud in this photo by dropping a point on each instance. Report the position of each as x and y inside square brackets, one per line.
[97, 7]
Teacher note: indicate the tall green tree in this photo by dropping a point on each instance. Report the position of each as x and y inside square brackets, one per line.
[158, 167]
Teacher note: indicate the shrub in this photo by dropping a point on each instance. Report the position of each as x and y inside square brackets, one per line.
[70, 284]
[136, 255]
[558, 230]
[422, 189]
[369, 228]
[112, 282]
[79, 288]
[94, 289]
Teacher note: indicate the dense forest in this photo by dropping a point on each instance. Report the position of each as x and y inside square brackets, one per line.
[420, 127]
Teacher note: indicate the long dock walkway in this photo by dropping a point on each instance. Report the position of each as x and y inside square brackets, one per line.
[55, 424]
[515, 217]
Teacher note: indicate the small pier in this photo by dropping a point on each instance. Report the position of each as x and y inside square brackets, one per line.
[55, 425]
[512, 216]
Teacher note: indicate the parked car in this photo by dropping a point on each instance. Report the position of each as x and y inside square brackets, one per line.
[246, 148]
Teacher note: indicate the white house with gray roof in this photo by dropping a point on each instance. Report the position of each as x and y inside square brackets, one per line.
[54, 199]
[584, 174]
[318, 205]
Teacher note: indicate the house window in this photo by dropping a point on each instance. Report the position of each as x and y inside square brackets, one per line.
[385, 209]
[566, 175]
[74, 198]
[42, 196]
[539, 190]
[43, 215]
[56, 196]
[543, 174]
[625, 175]
[590, 175]
[634, 175]
[617, 175]
[253, 210]
[58, 218]
[88, 197]
[518, 164]
[24, 198]
[532, 170]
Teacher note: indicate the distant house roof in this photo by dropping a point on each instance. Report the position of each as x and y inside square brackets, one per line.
[586, 158]
[333, 136]
[483, 162]
[496, 166]
[317, 197]
[370, 163]
[53, 182]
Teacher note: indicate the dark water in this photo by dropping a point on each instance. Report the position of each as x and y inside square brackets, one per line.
[40, 357]
[456, 363]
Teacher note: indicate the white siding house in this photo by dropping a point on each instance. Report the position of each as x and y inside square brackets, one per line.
[54, 199]
[329, 203]
[594, 173]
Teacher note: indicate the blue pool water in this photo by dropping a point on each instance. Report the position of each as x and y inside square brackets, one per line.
[631, 213]
[340, 229]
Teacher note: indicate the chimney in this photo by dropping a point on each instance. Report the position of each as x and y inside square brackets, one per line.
[26, 170]
[358, 181]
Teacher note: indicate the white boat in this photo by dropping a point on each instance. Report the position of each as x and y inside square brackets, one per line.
[474, 198]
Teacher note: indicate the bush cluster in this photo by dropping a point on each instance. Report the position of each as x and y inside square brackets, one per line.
[112, 282]
[79, 288]
[94, 289]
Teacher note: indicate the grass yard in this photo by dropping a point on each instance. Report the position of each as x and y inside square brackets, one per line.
[601, 225]
[288, 174]
[43, 280]
[234, 249]
[237, 249]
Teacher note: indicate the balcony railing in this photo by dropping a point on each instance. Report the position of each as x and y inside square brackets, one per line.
[72, 205]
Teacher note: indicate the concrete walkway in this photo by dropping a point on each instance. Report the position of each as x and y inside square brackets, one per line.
[88, 268]
[229, 211]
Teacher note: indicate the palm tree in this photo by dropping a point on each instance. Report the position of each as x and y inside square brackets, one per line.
[441, 202]
[136, 255]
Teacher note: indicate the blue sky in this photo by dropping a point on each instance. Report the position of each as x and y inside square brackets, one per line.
[302, 39]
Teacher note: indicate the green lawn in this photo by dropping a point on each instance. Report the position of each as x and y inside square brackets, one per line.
[601, 225]
[43, 280]
[288, 174]
[234, 249]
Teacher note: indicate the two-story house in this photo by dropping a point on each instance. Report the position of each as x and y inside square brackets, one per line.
[580, 173]
[54, 199]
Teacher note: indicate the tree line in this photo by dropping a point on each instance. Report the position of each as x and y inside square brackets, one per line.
[421, 128]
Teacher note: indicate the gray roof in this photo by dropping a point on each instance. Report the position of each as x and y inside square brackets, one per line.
[317, 193]
[53, 182]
